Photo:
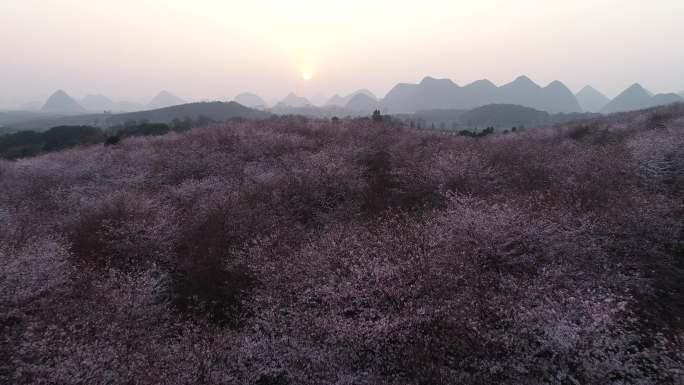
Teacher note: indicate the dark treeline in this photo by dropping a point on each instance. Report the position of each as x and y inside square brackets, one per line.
[31, 143]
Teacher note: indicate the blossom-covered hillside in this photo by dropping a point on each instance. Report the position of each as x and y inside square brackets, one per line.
[292, 251]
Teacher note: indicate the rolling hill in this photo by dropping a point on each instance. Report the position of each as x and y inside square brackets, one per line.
[216, 111]
[504, 116]
[500, 116]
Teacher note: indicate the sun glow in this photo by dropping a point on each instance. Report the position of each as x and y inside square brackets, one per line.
[307, 75]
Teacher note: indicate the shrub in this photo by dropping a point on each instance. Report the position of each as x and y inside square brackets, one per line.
[123, 231]
[207, 277]
[112, 140]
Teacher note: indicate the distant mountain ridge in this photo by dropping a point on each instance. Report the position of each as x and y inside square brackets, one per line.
[99, 103]
[637, 97]
[591, 100]
[61, 103]
[362, 103]
[430, 94]
[293, 100]
[433, 93]
[342, 101]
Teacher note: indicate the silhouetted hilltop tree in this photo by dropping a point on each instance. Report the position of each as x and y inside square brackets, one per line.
[475, 134]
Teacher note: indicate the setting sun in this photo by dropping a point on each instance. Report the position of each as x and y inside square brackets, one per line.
[307, 75]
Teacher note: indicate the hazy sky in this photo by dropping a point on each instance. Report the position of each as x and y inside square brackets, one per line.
[218, 48]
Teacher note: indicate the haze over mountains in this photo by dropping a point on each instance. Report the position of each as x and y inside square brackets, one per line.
[62, 103]
[294, 100]
[430, 94]
[362, 103]
[358, 103]
[208, 111]
[96, 102]
[35, 105]
[342, 101]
